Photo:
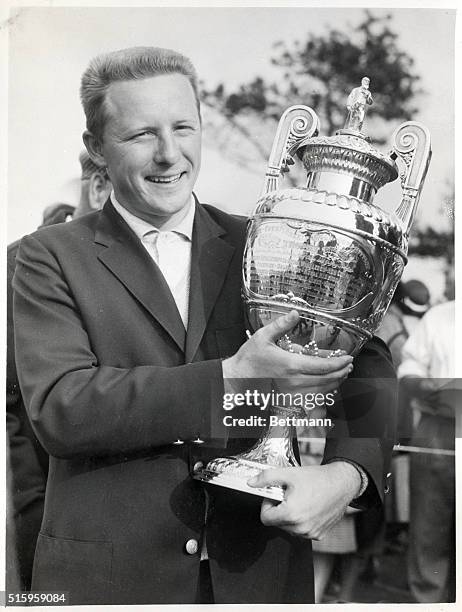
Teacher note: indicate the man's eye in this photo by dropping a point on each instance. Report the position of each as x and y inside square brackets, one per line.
[184, 127]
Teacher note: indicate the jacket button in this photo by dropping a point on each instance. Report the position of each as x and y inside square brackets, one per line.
[191, 547]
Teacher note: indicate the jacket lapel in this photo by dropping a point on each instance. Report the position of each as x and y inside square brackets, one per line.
[126, 258]
[210, 259]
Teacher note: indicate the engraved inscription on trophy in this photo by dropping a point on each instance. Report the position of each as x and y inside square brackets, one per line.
[322, 269]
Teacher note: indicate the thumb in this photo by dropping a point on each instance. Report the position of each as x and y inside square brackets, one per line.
[274, 330]
[269, 477]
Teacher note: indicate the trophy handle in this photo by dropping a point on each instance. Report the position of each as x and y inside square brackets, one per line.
[297, 124]
[412, 143]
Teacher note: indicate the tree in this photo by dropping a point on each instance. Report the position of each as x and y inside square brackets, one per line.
[327, 67]
[319, 72]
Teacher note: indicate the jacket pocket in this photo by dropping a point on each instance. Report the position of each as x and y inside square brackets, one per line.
[80, 568]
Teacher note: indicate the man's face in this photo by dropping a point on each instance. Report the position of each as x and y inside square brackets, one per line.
[152, 145]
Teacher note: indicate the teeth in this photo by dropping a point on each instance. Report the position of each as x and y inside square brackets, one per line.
[164, 179]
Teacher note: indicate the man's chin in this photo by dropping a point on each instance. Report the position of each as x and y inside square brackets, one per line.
[170, 199]
[167, 209]
[156, 211]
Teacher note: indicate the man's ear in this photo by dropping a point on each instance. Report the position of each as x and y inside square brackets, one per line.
[99, 190]
[94, 148]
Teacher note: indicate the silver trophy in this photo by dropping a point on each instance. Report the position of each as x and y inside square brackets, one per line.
[326, 251]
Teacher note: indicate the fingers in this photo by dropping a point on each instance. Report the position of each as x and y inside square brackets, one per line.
[282, 515]
[270, 477]
[273, 514]
[338, 376]
[274, 362]
[321, 366]
[274, 330]
[314, 499]
[308, 378]
[305, 364]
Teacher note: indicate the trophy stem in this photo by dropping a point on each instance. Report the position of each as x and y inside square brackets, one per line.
[274, 450]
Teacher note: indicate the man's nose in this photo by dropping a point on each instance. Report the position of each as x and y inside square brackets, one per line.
[167, 150]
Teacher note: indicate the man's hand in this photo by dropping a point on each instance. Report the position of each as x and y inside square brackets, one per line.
[260, 357]
[316, 497]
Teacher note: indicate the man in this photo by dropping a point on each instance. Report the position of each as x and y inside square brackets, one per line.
[95, 188]
[428, 359]
[28, 460]
[409, 304]
[128, 322]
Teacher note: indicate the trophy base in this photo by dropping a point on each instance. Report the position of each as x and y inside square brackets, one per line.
[233, 473]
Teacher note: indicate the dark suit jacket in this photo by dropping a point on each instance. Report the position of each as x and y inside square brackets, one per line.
[111, 380]
[28, 461]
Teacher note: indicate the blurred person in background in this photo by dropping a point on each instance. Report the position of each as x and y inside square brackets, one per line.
[339, 547]
[410, 302]
[355, 545]
[28, 461]
[428, 359]
[95, 188]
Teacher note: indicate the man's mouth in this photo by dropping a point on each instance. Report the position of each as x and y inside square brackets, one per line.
[174, 178]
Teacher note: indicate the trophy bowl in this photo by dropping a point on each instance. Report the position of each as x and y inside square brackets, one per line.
[326, 251]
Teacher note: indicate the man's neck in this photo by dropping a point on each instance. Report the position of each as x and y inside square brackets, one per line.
[164, 223]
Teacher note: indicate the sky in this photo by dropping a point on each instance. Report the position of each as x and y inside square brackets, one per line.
[49, 48]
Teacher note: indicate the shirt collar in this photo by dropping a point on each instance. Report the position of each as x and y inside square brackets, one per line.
[142, 227]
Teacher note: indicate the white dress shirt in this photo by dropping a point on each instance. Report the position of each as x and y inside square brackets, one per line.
[170, 250]
[429, 351]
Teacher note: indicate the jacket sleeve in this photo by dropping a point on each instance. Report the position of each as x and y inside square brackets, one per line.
[80, 407]
[366, 419]
[27, 475]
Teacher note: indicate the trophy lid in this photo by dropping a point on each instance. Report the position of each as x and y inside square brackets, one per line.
[347, 163]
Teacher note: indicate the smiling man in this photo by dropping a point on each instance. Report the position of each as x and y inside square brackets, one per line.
[128, 321]
[151, 147]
